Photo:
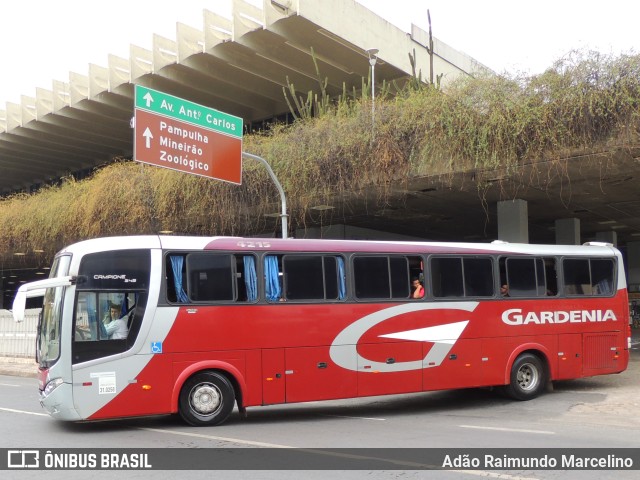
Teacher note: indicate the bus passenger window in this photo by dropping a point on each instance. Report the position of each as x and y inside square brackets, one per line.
[602, 276]
[528, 277]
[382, 277]
[588, 276]
[210, 277]
[446, 277]
[371, 276]
[314, 277]
[551, 277]
[577, 279]
[461, 277]
[478, 277]
[304, 278]
[521, 277]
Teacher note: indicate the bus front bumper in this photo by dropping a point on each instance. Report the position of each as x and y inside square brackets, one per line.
[59, 403]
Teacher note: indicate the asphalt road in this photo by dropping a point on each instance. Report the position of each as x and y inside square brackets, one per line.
[595, 412]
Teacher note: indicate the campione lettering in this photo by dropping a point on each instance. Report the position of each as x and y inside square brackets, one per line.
[517, 316]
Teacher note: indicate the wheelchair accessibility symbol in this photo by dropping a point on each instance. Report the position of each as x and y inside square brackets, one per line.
[156, 347]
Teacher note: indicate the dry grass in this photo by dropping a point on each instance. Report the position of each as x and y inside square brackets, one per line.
[482, 124]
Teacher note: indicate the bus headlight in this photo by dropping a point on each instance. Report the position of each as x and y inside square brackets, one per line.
[51, 386]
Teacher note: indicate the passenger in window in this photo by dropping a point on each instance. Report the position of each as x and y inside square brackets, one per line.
[116, 327]
[418, 289]
[504, 290]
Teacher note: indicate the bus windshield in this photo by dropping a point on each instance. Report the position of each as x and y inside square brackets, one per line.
[49, 326]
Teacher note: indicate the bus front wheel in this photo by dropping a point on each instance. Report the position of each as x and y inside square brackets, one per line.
[527, 379]
[206, 398]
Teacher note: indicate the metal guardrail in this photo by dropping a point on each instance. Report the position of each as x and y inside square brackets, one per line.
[18, 339]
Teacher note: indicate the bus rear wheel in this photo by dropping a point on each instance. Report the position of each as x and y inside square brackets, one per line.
[527, 379]
[206, 398]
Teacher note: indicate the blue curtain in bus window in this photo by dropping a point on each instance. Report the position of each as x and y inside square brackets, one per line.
[272, 282]
[342, 286]
[250, 278]
[176, 263]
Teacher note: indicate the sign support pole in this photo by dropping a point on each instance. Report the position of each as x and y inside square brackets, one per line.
[283, 200]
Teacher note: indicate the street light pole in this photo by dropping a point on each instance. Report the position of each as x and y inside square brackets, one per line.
[373, 52]
[283, 198]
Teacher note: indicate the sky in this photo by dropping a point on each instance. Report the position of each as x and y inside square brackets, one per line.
[43, 40]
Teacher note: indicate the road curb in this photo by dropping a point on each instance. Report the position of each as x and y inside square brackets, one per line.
[18, 367]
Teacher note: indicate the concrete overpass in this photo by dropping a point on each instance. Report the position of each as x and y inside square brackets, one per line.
[238, 65]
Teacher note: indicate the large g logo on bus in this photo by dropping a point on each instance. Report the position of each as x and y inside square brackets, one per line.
[344, 351]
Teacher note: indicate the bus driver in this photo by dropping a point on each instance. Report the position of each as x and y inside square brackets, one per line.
[115, 326]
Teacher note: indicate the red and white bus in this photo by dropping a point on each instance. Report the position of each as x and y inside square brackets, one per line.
[214, 322]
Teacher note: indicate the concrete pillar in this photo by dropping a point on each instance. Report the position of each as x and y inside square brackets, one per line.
[633, 266]
[568, 231]
[513, 221]
[609, 237]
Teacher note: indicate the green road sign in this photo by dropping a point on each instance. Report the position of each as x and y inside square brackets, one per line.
[186, 111]
[174, 133]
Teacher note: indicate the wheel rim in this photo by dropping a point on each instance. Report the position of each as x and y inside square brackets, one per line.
[205, 399]
[528, 377]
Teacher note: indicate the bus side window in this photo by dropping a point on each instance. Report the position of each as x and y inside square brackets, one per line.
[383, 277]
[602, 276]
[446, 277]
[371, 277]
[521, 277]
[304, 277]
[528, 277]
[551, 277]
[400, 279]
[588, 276]
[478, 277]
[462, 277]
[210, 277]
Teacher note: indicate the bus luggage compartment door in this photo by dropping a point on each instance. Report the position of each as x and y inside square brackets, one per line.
[312, 375]
[569, 356]
[602, 353]
[273, 376]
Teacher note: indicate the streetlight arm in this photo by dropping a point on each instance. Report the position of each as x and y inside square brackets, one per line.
[283, 199]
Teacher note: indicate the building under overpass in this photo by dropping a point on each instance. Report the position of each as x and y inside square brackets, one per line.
[241, 65]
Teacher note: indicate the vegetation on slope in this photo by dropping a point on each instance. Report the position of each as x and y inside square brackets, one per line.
[481, 124]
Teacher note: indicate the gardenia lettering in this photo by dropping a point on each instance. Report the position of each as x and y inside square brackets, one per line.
[517, 316]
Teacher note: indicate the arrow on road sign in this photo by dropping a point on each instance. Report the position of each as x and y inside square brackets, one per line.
[149, 98]
[147, 137]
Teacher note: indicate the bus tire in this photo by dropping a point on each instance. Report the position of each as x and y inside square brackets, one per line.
[528, 377]
[206, 399]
